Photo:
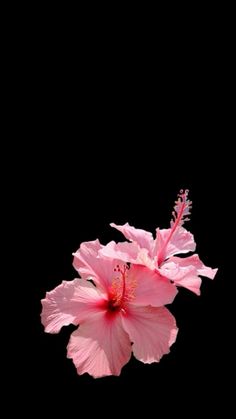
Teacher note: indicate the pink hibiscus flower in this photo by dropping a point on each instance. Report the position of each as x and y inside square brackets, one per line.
[158, 254]
[118, 312]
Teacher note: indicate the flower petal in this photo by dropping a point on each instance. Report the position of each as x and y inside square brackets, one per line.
[152, 330]
[142, 237]
[196, 262]
[124, 251]
[70, 302]
[89, 265]
[182, 241]
[100, 346]
[184, 272]
[151, 288]
[128, 253]
[183, 277]
[191, 282]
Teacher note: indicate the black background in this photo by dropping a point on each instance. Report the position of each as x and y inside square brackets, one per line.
[112, 137]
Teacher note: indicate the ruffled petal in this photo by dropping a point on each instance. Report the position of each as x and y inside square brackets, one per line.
[182, 241]
[143, 238]
[90, 265]
[152, 330]
[124, 251]
[185, 272]
[69, 303]
[150, 288]
[100, 346]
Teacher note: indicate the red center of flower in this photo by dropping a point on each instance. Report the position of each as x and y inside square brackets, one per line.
[122, 289]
